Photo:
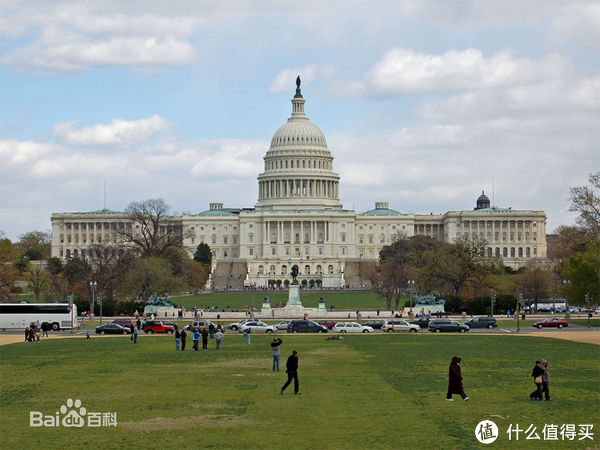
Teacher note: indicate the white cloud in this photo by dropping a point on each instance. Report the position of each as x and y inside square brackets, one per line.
[118, 132]
[404, 72]
[287, 77]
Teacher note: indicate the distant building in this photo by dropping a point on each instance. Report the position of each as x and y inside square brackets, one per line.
[299, 220]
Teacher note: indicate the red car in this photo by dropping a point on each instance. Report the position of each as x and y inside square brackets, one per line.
[328, 323]
[551, 322]
[153, 326]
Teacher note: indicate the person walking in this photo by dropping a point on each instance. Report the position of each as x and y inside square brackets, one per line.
[177, 339]
[537, 373]
[455, 380]
[88, 335]
[219, 339]
[204, 339]
[183, 339]
[196, 340]
[211, 331]
[545, 380]
[292, 373]
[275, 347]
[135, 334]
[27, 334]
[246, 337]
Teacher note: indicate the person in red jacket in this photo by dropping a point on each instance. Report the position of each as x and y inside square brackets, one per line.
[455, 380]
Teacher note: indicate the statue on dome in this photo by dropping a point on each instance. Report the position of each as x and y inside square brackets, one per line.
[298, 82]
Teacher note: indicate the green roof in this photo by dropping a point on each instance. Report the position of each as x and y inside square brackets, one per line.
[381, 212]
[216, 212]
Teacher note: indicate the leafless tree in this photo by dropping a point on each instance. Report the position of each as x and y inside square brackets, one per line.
[153, 231]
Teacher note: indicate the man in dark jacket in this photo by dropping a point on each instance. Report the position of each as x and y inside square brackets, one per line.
[292, 371]
[183, 339]
[455, 380]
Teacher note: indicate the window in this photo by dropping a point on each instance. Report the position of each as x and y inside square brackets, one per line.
[306, 270]
[343, 250]
[320, 250]
[504, 252]
[250, 238]
[214, 238]
[287, 251]
[319, 270]
[250, 251]
[307, 251]
[284, 270]
[225, 240]
[272, 270]
[343, 237]
[330, 270]
[261, 270]
[272, 250]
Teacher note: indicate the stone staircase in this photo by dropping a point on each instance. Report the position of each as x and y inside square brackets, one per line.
[229, 275]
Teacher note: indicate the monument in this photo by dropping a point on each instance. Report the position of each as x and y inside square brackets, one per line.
[160, 307]
[294, 302]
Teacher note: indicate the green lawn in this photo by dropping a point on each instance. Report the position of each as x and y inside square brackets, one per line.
[372, 391]
[350, 300]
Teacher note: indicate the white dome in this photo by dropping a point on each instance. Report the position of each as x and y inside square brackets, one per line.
[298, 132]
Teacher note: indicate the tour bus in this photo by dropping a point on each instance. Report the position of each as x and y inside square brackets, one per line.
[21, 315]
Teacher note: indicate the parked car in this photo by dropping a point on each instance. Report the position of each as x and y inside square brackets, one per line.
[391, 326]
[154, 326]
[482, 322]
[173, 324]
[256, 326]
[328, 323]
[551, 322]
[195, 325]
[375, 324]
[128, 323]
[439, 325]
[282, 325]
[423, 322]
[305, 326]
[112, 328]
[236, 325]
[351, 327]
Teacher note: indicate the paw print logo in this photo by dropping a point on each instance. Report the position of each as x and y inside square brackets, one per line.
[73, 414]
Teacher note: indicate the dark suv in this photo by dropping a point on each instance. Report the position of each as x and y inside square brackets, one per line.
[439, 325]
[482, 322]
[305, 326]
[423, 322]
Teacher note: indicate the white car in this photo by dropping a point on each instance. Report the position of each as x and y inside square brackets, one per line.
[351, 327]
[282, 325]
[391, 326]
[237, 325]
[256, 326]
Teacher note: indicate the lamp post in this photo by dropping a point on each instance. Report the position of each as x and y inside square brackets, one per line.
[493, 301]
[93, 285]
[411, 291]
[519, 305]
[587, 309]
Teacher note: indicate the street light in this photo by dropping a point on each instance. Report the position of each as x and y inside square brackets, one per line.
[411, 289]
[93, 285]
[519, 305]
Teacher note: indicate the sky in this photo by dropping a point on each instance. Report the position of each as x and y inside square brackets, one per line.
[424, 104]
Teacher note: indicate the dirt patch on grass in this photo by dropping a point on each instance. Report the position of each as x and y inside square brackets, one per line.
[6, 339]
[173, 423]
[585, 337]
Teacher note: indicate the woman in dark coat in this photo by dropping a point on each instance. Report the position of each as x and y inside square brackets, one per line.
[537, 373]
[455, 380]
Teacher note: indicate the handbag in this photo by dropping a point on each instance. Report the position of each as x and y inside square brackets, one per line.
[538, 380]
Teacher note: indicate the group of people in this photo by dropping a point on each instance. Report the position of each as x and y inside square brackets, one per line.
[540, 374]
[35, 331]
[212, 333]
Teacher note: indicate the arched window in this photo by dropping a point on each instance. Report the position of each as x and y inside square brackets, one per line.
[512, 252]
[272, 270]
[214, 238]
[306, 270]
[261, 270]
[489, 252]
[284, 270]
[504, 252]
[520, 252]
[68, 253]
[330, 270]
[382, 238]
[527, 252]
[319, 270]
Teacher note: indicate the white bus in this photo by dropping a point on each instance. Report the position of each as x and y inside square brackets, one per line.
[21, 315]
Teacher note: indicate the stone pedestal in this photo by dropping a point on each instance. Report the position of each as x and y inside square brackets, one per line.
[321, 310]
[294, 297]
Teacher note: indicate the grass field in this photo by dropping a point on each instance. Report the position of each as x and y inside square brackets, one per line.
[375, 391]
[350, 300]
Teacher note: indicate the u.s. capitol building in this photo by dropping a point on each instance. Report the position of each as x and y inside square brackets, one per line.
[299, 220]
